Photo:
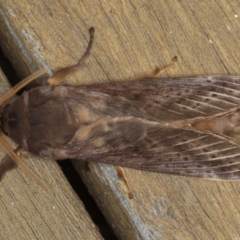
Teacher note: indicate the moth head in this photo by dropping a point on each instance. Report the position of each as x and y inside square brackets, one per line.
[5, 118]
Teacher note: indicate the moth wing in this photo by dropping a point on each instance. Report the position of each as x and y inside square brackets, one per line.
[196, 154]
[177, 99]
[166, 149]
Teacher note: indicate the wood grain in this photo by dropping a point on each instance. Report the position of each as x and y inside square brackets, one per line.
[132, 38]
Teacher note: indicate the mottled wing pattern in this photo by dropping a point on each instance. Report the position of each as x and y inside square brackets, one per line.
[144, 142]
[180, 98]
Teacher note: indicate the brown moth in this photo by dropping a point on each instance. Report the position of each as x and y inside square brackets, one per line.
[186, 126]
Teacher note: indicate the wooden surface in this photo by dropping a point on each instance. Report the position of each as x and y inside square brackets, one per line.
[132, 37]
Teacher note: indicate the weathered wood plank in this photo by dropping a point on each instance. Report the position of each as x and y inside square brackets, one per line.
[133, 37]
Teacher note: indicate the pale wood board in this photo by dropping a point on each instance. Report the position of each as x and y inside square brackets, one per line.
[133, 37]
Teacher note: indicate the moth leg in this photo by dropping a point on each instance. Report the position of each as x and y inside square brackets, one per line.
[6, 165]
[121, 174]
[157, 71]
[59, 76]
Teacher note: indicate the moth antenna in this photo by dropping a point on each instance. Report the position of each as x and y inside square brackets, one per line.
[21, 163]
[22, 84]
[61, 74]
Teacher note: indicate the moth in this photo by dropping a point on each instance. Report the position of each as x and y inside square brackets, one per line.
[186, 126]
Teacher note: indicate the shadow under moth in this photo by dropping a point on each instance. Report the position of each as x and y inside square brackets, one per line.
[186, 126]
